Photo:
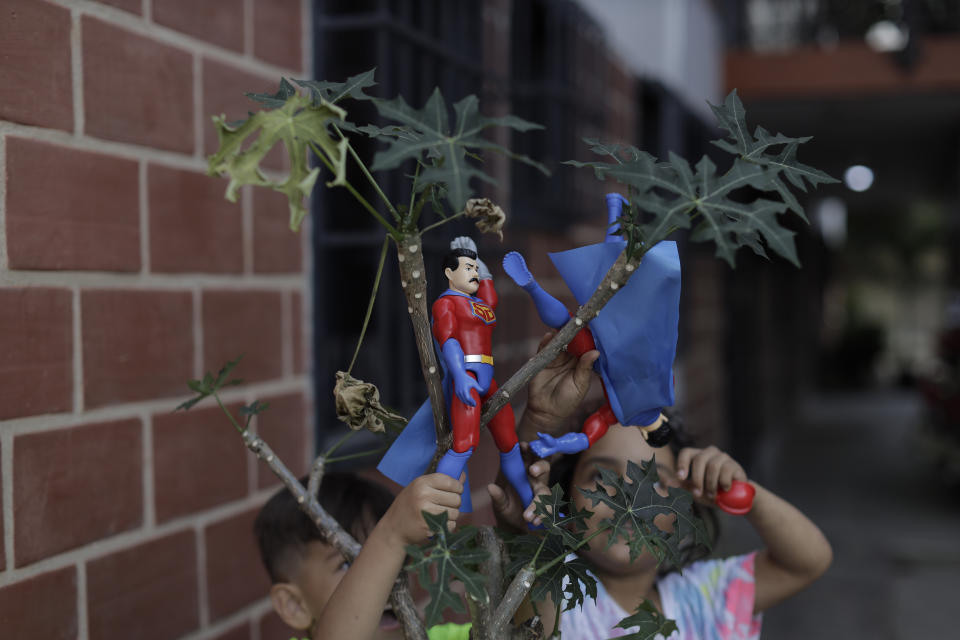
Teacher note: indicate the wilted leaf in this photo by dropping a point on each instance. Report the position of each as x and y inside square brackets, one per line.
[274, 100]
[450, 555]
[297, 124]
[358, 406]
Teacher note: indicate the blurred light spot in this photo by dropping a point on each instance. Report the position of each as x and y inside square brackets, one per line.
[830, 216]
[858, 177]
[886, 35]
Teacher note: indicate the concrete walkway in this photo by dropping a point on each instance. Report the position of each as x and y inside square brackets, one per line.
[854, 464]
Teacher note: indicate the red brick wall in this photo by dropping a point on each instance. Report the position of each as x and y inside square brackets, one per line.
[124, 272]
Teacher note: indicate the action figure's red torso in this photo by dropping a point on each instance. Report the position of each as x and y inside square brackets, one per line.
[469, 319]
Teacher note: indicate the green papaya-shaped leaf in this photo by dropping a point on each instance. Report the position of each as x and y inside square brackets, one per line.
[324, 91]
[650, 623]
[427, 133]
[449, 556]
[635, 502]
[299, 125]
[566, 579]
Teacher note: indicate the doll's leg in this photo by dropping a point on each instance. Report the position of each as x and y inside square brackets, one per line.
[503, 429]
[596, 425]
[552, 312]
[466, 425]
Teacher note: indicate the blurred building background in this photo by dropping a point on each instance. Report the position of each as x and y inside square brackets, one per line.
[123, 273]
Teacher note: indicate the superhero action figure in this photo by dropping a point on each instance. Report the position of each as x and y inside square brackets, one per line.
[635, 333]
[463, 322]
[647, 416]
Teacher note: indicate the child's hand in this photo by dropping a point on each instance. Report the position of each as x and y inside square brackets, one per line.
[557, 391]
[705, 472]
[433, 493]
[506, 504]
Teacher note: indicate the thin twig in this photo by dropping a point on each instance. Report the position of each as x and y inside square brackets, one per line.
[353, 456]
[339, 443]
[316, 475]
[373, 298]
[356, 194]
[440, 222]
[368, 175]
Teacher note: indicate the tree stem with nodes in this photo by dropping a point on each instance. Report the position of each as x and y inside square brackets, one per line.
[413, 279]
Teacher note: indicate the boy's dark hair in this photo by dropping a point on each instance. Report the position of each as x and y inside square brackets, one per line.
[562, 473]
[452, 259]
[282, 530]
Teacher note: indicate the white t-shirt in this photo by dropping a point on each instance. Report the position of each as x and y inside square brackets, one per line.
[710, 600]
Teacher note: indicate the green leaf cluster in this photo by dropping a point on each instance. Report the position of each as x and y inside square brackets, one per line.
[444, 151]
[649, 622]
[671, 195]
[447, 556]
[210, 384]
[562, 576]
[634, 501]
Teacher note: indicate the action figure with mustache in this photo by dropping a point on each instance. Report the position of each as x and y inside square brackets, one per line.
[463, 322]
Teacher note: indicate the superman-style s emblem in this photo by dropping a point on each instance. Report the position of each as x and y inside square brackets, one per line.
[483, 312]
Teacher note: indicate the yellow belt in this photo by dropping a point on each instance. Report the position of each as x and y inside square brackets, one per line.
[483, 359]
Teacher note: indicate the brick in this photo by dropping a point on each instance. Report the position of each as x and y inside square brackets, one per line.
[199, 461]
[272, 627]
[35, 77]
[69, 209]
[3, 553]
[41, 607]
[136, 89]
[224, 93]
[192, 227]
[283, 426]
[133, 6]
[60, 479]
[276, 32]
[241, 632]
[218, 22]
[276, 249]
[243, 322]
[235, 577]
[36, 340]
[136, 345]
[146, 592]
[301, 354]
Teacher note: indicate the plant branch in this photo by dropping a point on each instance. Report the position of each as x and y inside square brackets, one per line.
[440, 222]
[512, 599]
[373, 298]
[369, 176]
[353, 456]
[414, 282]
[316, 475]
[356, 194]
[612, 282]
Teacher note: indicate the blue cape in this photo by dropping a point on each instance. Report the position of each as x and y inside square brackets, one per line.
[636, 332]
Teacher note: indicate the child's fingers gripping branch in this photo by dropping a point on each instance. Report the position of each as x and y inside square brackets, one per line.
[506, 504]
[434, 493]
[705, 472]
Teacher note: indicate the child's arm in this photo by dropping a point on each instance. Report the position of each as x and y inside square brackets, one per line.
[796, 553]
[355, 608]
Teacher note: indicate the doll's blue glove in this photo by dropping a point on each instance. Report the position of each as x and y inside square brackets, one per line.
[463, 382]
[547, 445]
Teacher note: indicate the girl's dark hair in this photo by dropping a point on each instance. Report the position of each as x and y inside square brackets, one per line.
[561, 472]
[282, 530]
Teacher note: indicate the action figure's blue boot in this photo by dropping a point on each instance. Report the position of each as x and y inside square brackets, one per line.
[511, 463]
[552, 312]
[453, 464]
[615, 203]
